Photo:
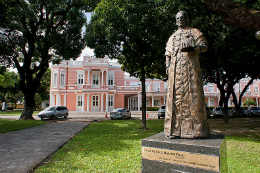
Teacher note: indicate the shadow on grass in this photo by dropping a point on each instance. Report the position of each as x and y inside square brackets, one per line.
[108, 146]
[241, 129]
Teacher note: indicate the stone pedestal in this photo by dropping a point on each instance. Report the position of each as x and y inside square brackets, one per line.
[163, 155]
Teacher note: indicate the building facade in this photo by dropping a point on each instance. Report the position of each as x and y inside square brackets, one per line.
[212, 93]
[99, 84]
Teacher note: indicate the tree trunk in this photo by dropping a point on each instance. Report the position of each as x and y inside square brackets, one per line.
[235, 101]
[28, 106]
[244, 90]
[143, 126]
[226, 110]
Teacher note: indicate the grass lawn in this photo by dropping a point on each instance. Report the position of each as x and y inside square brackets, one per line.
[115, 146]
[12, 125]
[14, 112]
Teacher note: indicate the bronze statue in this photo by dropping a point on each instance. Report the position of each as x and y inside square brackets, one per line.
[185, 114]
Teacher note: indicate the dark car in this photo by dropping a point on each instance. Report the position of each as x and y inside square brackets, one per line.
[120, 113]
[208, 111]
[218, 111]
[241, 112]
[252, 110]
[53, 112]
[161, 112]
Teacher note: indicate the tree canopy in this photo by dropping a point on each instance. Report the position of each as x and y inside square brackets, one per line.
[35, 33]
[241, 13]
[134, 32]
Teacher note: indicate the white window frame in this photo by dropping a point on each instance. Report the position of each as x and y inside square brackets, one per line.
[55, 79]
[211, 102]
[62, 80]
[157, 102]
[110, 80]
[95, 79]
[256, 88]
[210, 88]
[80, 100]
[147, 86]
[156, 87]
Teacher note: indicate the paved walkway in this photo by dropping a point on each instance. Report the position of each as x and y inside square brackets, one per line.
[22, 150]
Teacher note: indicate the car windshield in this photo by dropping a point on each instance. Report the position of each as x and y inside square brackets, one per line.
[117, 110]
[255, 108]
[50, 108]
[163, 107]
[219, 108]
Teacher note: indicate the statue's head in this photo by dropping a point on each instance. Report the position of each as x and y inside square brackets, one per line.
[182, 19]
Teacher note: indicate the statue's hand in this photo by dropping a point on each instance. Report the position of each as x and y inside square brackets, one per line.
[188, 49]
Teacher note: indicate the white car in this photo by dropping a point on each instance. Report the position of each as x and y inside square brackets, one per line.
[53, 112]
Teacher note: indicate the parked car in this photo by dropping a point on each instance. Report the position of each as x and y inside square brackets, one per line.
[161, 112]
[252, 110]
[120, 113]
[53, 112]
[241, 112]
[218, 111]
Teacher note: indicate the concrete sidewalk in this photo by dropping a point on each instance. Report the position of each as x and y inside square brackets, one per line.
[22, 150]
[90, 116]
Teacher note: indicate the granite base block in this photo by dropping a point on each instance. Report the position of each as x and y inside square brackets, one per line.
[164, 155]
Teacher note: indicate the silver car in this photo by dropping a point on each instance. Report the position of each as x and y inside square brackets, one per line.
[161, 112]
[53, 112]
[252, 110]
[120, 113]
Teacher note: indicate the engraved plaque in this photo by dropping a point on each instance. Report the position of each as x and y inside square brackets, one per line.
[184, 158]
[164, 155]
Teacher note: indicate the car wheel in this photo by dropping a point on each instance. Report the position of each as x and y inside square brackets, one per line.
[52, 117]
[41, 118]
[66, 116]
[159, 117]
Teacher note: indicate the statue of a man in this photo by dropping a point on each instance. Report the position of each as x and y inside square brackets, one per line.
[185, 114]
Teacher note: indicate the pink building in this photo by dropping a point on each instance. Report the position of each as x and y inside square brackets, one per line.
[99, 84]
[212, 93]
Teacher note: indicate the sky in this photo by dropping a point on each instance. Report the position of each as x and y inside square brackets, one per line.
[87, 50]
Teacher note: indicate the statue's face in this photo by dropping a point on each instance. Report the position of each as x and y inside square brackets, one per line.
[181, 19]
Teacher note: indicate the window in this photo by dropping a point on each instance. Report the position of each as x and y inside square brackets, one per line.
[95, 79]
[210, 88]
[55, 78]
[110, 79]
[110, 100]
[62, 79]
[165, 87]
[156, 87]
[157, 102]
[147, 87]
[80, 78]
[211, 102]
[80, 100]
[230, 102]
[256, 89]
[95, 100]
